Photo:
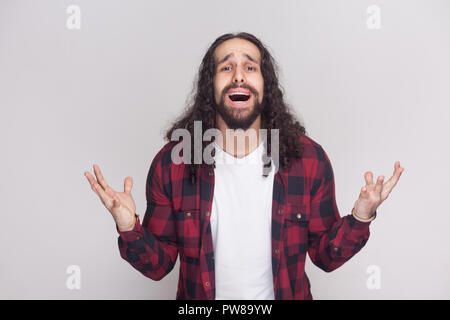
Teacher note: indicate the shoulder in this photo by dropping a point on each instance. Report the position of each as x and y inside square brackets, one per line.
[163, 171]
[315, 160]
[167, 161]
[164, 156]
[312, 150]
[162, 165]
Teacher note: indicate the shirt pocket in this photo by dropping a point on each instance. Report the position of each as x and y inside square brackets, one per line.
[296, 230]
[188, 232]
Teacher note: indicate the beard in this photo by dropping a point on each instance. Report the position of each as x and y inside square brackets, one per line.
[239, 117]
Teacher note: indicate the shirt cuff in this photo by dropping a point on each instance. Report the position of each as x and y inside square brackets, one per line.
[356, 224]
[135, 234]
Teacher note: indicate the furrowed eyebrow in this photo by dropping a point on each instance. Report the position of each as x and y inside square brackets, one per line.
[250, 58]
[232, 54]
[225, 58]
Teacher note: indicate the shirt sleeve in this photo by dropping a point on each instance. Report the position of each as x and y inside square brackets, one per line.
[151, 248]
[333, 239]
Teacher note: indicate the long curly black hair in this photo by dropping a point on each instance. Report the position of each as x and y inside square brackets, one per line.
[276, 113]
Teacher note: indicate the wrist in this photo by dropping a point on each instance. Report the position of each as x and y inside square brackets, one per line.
[371, 218]
[131, 226]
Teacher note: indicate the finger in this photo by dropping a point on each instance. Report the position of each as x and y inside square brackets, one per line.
[364, 193]
[128, 184]
[396, 175]
[392, 182]
[98, 173]
[398, 169]
[90, 178]
[92, 182]
[104, 197]
[379, 184]
[98, 189]
[101, 180]
[369, 178]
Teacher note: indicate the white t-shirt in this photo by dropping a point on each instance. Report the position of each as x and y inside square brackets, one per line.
[241, 221]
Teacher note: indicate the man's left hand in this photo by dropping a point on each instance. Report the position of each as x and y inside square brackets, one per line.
[373, 194]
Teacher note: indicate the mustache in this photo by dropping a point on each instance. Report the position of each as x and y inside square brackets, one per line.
[235, 86]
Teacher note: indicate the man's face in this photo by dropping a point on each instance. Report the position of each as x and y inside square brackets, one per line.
[238, 83]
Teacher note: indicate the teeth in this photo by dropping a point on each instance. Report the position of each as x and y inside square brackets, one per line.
[239, 93]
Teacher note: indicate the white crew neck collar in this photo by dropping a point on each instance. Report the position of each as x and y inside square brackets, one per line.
[253, 157]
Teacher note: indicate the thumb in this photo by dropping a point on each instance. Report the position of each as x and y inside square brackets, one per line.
[116, 202]
[128, 184]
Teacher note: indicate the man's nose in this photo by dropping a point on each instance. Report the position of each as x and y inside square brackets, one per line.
[238, 77]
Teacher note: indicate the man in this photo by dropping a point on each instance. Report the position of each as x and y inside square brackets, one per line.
[242, 228]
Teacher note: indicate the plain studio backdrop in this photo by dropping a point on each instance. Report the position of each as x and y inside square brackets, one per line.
[368, 79]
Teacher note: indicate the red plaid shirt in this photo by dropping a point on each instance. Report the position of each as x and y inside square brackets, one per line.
[305, 218]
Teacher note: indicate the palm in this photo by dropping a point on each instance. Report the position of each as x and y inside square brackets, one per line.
[120, 204]
[373, 194]
[127, 207]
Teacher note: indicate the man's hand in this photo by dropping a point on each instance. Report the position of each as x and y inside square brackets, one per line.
[119, 204]
[372, 195]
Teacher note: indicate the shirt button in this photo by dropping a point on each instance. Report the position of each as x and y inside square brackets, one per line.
[211, 172]
[188, 214]
[207, 283]
[277, 251]
[137, 238]
[299, 216]
[280, 211]
[207, 213]
[336, 249]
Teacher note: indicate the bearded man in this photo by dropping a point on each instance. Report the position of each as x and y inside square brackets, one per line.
[243, 224]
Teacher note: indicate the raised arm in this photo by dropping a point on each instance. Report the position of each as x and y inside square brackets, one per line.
[151, 247]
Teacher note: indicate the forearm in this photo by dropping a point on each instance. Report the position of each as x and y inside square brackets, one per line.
[332, 248]
[146, 253]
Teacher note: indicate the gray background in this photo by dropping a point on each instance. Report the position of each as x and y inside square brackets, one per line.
[104, 93]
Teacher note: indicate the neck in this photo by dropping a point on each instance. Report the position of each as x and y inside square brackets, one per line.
[239, 143]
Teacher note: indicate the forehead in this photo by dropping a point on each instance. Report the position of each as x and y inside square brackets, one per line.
[237, 46]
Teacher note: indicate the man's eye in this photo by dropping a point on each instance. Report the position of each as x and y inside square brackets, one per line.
[251, 68]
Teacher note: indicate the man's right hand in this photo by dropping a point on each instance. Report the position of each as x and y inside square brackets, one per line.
[120, 204]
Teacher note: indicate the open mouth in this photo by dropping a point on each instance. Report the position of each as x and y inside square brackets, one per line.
[239, 96]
